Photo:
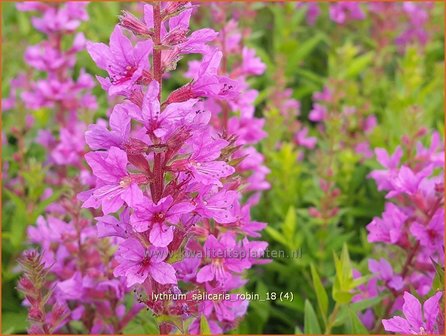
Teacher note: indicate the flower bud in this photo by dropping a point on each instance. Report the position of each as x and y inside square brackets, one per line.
[175, 37]
[135, 146]
[173, 8]
[128, 21]
[313, 212]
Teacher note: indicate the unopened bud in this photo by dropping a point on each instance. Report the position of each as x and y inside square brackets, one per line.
[200, 232]
[421, 132]
[173, 8]
[334, 212]
[336, 192]
[180, 95]
[135, 146]
[35, 313]
[405, 140]
[175, 36]
[25, 285]
[130, 22]
[313, 212]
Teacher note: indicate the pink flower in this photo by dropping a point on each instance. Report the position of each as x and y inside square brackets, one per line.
[388, 228]
[304, 141]
[159, 219]
[417, 320]
[430, 235]
[407, 181]
[116, 185]
[226, 258]
[252, 65]
[109, 226]
[124, 63]
[341, 12]
[384, 272]
[218, 206]
[99, 137]
[137, 263]
[391, 163]
[318, 113]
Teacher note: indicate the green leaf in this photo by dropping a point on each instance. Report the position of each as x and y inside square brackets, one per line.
[297, 331]
[174, 320]
[276, 235]
[40, 208]
[359, 64]
[438, 283]
[321, 295]
[289, 226]
[357, 307]
[19, 219]
[14, 323]
[204, 326]
[311, 325]
[302, 51]
[354, 324]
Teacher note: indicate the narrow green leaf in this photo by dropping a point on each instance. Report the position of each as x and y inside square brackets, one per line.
[354, 324]
[276, 235]
[289, 226]
[311, 325]
[359, 64]
[321, 295]
[204, 326]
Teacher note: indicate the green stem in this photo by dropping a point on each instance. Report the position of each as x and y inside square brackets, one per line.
[332, 319]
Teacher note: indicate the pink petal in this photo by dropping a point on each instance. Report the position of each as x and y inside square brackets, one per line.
[205, 274]
[163, 273]
[398, 325]
[161, 235]
[412, 311]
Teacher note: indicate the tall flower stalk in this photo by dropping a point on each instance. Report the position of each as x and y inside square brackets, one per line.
[409, 231]
[77, 281]
[168, 179]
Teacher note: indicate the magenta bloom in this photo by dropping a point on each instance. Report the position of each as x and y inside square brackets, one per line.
[137, 263]
[388, 228]
[172, 117]
[109, 226]
[431, 235]
[115, 184]
[417, 320]
[226, 258]
[318, 113]
[407, 181]
[252, 65]
[124, 63]
[384, 272]
[99, 137]
[343, 11]
[303, 140]
[218, 206]
[159, 218]
[391, 163]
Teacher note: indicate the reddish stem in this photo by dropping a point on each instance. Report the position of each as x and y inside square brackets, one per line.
[158, 168]
[157, 71]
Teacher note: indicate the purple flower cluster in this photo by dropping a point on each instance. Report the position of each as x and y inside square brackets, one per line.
[413, 222]
[58, 91]
[170, 174]
[405, 22]
[78, 264]
[352, 120]
[428, 320]
[411, 28]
